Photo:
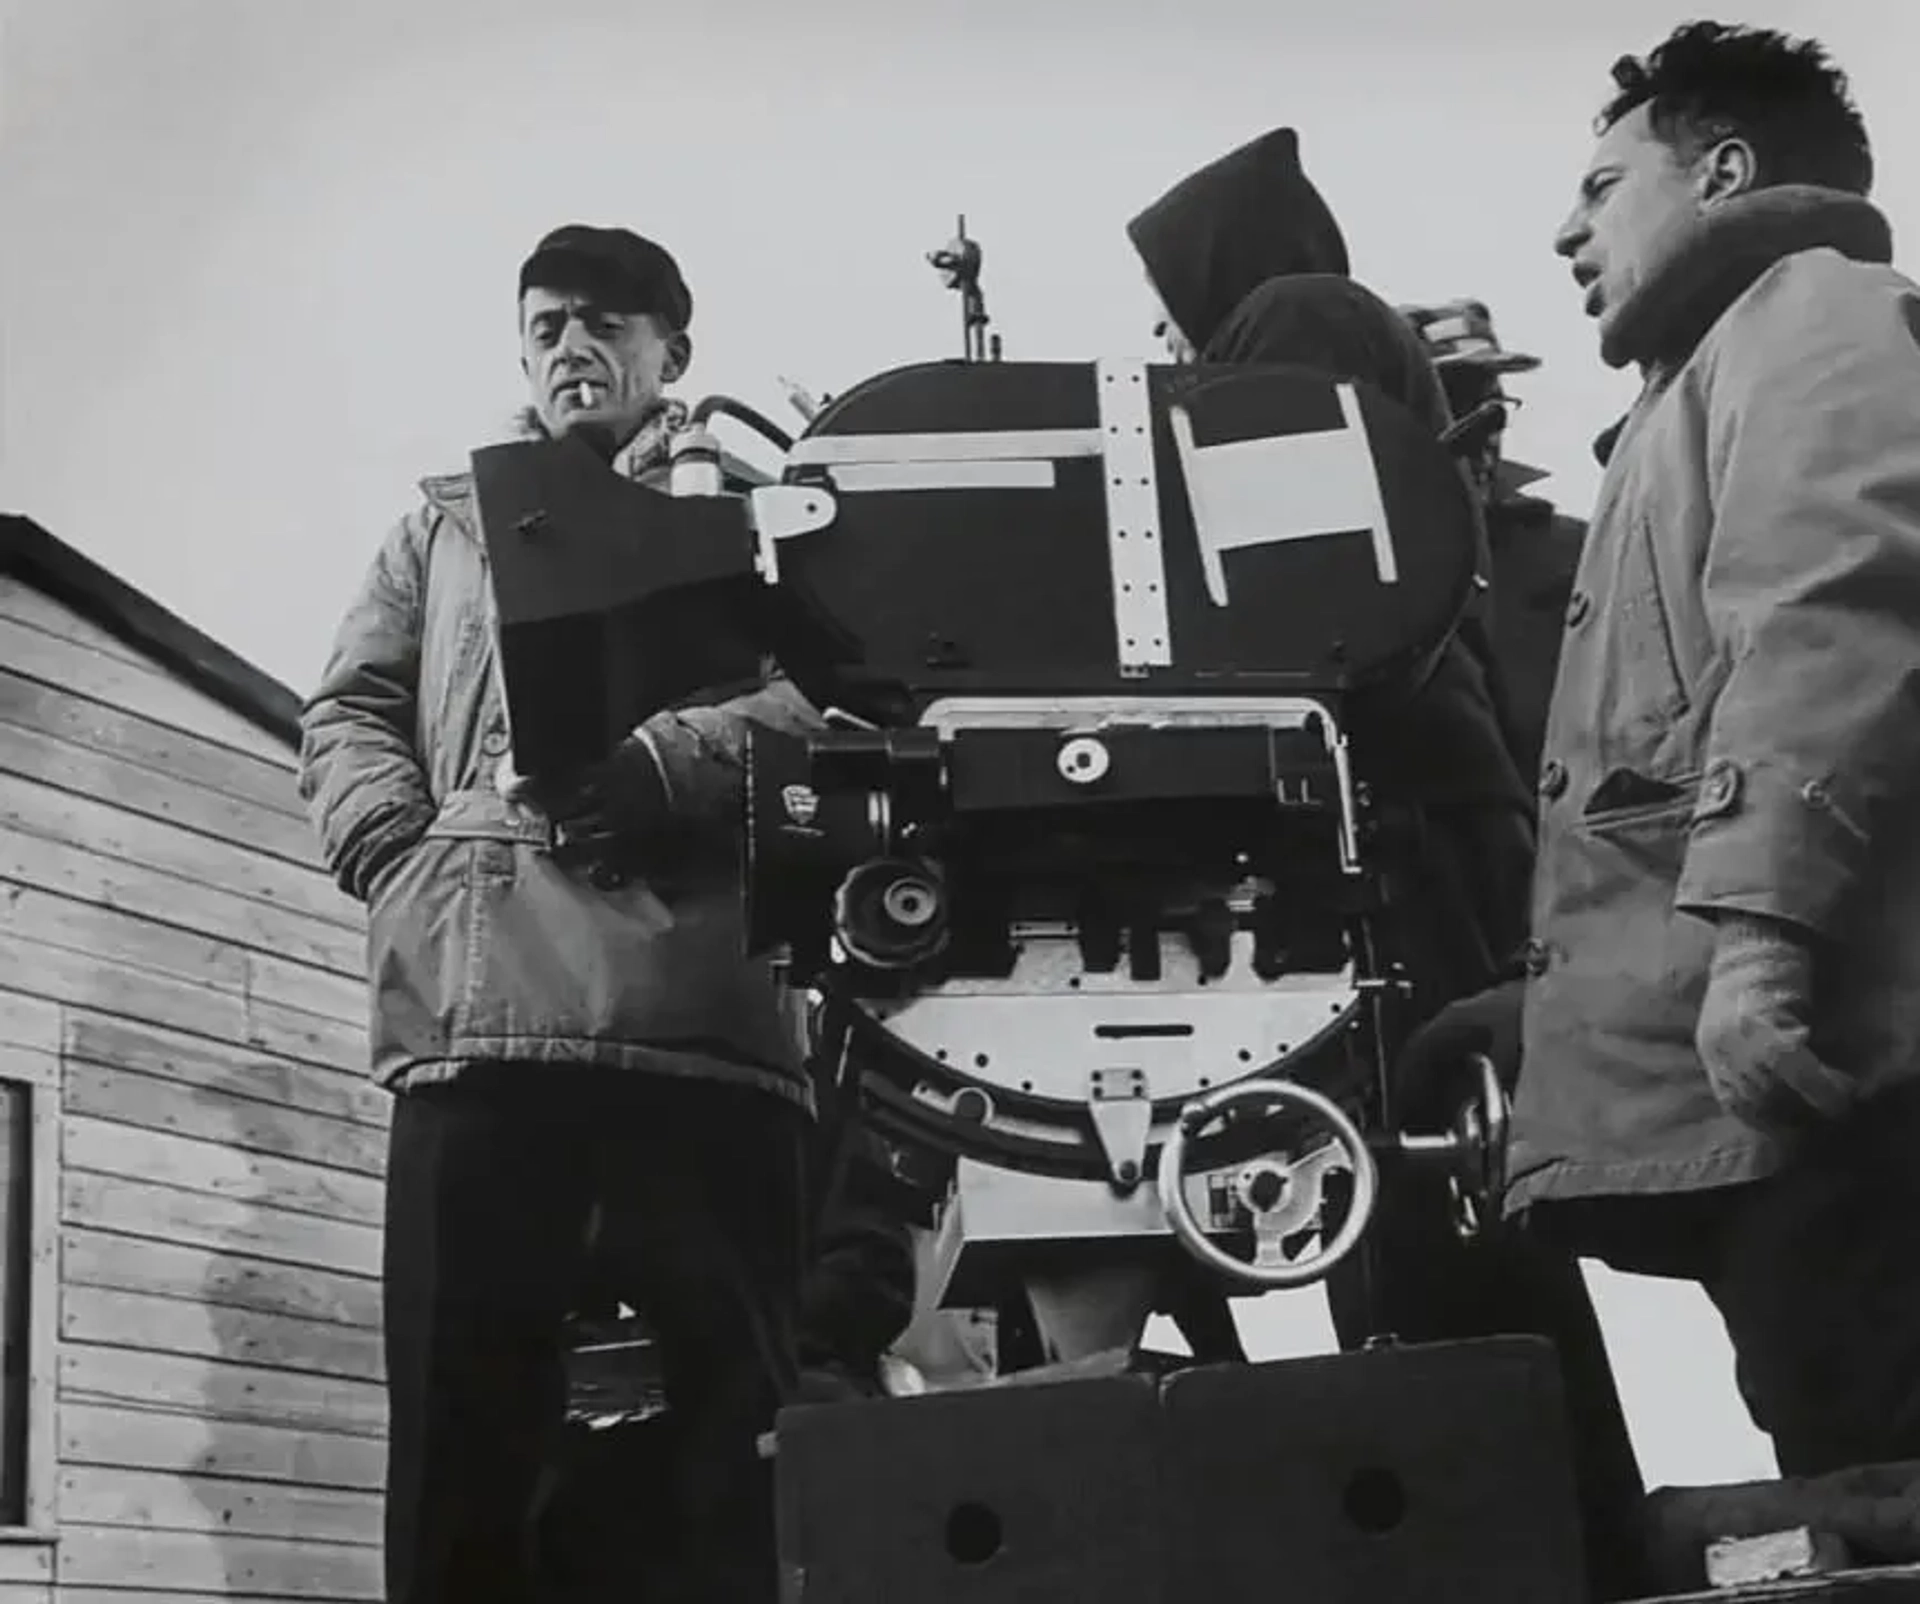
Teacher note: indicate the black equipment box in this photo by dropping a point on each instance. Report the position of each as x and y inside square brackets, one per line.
[1431, 1474]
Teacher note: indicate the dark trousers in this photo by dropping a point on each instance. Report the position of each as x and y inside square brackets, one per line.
[1816, 1273]
[491, 1183]
[1414, 1279]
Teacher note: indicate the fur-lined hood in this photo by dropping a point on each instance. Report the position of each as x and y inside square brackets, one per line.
[1709, 261]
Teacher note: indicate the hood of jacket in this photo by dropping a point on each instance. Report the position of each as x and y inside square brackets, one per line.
[1710, 260]
[1221, 232]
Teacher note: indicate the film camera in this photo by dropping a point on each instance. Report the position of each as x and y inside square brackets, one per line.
[1078, 866]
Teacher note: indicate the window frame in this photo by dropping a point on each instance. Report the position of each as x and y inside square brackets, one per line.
[39, 1076]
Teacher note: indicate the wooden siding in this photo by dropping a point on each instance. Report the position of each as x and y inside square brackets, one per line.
[184, 985]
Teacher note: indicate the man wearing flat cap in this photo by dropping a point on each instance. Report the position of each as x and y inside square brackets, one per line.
[603, 327]
[586, 1071]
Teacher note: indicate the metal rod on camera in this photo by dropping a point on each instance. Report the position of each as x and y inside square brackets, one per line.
[958, 263]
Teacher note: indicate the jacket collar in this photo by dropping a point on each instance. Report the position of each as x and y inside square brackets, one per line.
[1711, 260]
[642, 458]
[645, 453]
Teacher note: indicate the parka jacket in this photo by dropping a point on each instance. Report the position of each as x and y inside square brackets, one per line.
[480, 946]
[1735, 725]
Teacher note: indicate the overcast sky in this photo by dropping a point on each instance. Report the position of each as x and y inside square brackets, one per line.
[260, 258]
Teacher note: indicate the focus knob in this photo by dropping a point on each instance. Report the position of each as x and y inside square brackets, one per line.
[1084, 760]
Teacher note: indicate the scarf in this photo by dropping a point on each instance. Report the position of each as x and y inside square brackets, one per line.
[646, 453]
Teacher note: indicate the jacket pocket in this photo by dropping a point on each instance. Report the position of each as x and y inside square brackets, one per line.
[1633, 856]
[551, 957]
[427, 918]
[416, 940]
[1644, 801]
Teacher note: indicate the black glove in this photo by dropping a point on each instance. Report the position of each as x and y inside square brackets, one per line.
[1431, 1074]
[607, 810]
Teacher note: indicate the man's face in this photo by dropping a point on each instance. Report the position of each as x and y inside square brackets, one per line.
[1635, 194]
[593, 371]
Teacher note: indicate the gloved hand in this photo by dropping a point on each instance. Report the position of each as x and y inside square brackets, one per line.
[608, 808]
[1755, 1027]
[1431, 1077]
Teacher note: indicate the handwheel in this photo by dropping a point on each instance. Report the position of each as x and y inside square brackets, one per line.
[1480, 1131]
[1283, 1194]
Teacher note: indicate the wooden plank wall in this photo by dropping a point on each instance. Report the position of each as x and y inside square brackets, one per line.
[172, 954]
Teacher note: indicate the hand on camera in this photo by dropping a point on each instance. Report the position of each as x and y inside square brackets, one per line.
[607, 808]
[1432, 1071]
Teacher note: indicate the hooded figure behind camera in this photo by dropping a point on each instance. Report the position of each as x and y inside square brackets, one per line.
[1221, 232]
[1439, 758]
[1250, 267]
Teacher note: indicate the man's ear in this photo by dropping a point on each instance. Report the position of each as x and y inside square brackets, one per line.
[679, 357]
[1728, 169]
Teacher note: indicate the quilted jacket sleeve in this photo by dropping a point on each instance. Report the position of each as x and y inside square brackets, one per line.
[360, 772]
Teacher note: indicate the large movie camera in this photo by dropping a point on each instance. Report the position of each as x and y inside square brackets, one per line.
[1082, 867]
